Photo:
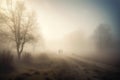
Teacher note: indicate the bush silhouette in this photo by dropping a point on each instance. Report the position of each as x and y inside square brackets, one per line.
[27, 57]
[6, 61]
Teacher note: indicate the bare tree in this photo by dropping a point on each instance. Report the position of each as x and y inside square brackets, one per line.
[18, 24]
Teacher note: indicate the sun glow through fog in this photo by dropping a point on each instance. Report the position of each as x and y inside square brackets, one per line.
[56, 25]
[56, 22]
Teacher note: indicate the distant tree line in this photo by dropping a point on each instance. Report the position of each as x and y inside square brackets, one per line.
[105, 39]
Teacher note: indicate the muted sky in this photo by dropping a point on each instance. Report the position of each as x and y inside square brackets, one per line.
[59, 18]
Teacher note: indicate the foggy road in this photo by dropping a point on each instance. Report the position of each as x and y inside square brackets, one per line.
[83, 69]
[71, 67]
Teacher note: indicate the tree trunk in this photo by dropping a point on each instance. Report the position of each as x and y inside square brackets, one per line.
[19, 54]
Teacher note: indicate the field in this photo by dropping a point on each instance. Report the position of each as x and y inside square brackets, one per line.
[61, 67]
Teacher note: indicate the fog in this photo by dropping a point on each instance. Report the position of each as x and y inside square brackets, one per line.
[68, 27]
[64, 26]
[59, 40]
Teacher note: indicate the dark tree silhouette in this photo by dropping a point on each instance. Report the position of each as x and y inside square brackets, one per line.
[103, 37]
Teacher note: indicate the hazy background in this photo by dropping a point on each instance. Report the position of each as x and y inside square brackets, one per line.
[72, 25]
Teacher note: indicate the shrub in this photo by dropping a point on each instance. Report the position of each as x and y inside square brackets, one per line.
[27, 57]
[6, 61]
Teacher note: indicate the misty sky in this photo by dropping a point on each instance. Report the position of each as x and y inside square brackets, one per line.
[58, 18]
